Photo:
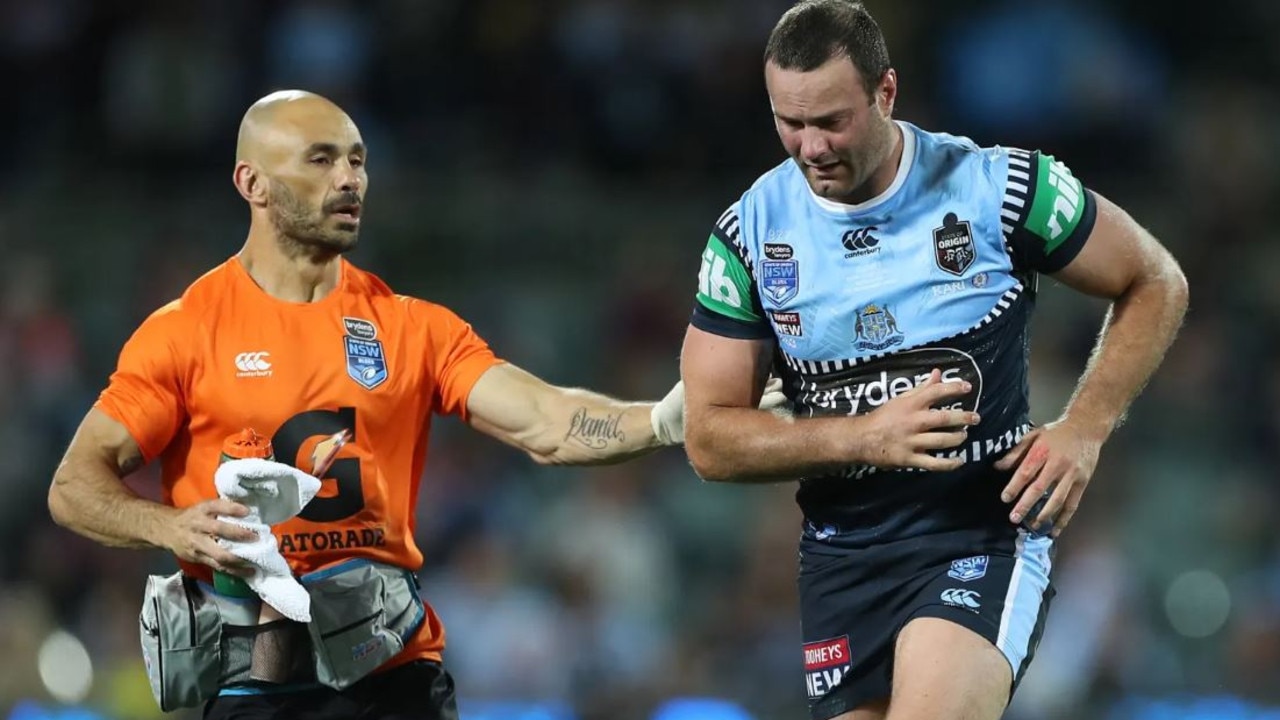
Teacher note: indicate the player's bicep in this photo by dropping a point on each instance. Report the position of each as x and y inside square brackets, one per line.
[101, 439]
[720, 371]
[1118, 253]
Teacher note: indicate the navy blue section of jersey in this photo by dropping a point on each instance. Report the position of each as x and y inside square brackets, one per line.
[862, 506]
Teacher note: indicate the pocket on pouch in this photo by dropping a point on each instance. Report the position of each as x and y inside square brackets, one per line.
[181, 632]
[348, 628]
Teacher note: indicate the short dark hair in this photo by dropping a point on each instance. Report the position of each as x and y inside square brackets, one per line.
[815, 31]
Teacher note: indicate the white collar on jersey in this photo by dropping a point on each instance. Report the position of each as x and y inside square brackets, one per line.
[904, 167]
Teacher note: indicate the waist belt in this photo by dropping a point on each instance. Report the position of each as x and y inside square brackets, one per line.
[197, 643]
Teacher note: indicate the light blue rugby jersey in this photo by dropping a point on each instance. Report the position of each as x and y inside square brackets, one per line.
[864, 300]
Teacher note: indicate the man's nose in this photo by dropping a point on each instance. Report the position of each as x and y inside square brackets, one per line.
[348, 179]
[813, 145]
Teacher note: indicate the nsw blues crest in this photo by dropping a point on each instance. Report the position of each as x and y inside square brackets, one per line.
[970, 568]
[780, 280]
[366, 359]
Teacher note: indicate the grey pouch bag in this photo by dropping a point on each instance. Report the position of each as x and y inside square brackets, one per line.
[181, 641]
[361, 615]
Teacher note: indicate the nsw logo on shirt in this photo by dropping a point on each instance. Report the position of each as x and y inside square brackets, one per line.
[366, 357]
[779, 280]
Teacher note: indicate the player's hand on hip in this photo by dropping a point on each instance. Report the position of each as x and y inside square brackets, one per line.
[193, 536]
[908, 428]
[1056, 461]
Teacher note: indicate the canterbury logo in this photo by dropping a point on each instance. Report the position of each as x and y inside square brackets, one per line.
[860, 239]
[253, 362]
[962, 598]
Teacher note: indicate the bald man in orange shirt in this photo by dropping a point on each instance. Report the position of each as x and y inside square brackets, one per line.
[289, 338]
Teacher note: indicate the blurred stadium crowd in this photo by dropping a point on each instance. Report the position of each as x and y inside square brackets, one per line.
[550, 169]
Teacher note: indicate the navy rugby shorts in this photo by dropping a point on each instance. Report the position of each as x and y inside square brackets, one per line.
[853, 603]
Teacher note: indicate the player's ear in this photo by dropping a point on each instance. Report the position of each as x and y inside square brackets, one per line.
[887, 91]
[251, 185]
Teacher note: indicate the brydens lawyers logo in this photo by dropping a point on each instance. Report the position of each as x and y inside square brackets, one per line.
[826, 662]
[253, 364]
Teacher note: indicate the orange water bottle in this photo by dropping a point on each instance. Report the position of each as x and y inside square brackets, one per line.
[245, 444]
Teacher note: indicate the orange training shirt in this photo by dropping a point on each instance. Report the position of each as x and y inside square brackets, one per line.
[227, 356]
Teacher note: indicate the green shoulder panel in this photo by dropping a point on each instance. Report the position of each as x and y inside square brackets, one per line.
[725, 285]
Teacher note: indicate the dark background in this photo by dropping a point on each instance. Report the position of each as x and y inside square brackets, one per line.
[550, 170]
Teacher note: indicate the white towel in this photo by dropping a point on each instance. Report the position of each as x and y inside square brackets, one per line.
[273, 492]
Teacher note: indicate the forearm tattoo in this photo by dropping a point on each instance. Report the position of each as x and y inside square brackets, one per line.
[594, 431]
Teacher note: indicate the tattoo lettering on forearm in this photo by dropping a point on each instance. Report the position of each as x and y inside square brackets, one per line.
[593, 431]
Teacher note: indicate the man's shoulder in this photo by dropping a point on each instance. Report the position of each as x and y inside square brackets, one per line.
[780, 178]
[206, 291]
[944, 148]
[782, 186]
[194, 302]
[359, 281]
[373, 289]
[947, 162]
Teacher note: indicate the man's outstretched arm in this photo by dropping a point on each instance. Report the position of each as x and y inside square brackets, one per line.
[570, 426]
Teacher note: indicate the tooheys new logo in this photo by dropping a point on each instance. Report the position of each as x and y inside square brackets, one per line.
[825, 664]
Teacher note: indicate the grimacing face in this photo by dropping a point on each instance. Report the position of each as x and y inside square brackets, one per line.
[316, 189]
[831, 127]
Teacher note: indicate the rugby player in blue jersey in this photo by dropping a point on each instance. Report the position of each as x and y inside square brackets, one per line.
[888, 274]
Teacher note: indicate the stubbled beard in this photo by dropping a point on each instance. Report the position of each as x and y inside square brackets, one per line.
[301, 230]
[860, 168]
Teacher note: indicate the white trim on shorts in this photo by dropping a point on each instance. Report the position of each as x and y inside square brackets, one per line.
[1024, 598]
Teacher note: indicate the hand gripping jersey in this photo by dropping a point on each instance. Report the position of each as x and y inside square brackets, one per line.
[864, 300]
[227, 356]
